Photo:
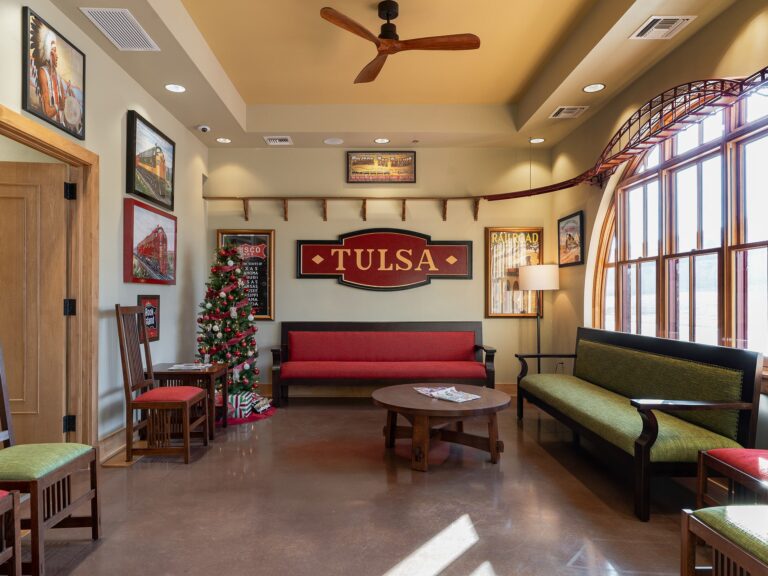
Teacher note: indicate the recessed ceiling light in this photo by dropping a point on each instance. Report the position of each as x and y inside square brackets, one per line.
[382, 140]
[178, 88]
[333, 141]
[589, 88]
[536, 140]
[223, 140]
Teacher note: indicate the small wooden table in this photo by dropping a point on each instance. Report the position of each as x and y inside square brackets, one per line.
[430, 416]
[204, 378]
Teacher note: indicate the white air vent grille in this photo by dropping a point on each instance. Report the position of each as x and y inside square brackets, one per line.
[122, 29]
[278, 140]
[661, 27]
[568, 112]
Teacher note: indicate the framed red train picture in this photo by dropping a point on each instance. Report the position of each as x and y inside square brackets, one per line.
[151, 162]
[149, 244]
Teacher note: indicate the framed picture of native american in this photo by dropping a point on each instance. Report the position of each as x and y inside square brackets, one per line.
[53, 76]
[149, 244]
[570, 239]
[150, 162]
[506, 249]
[377, 167]
[257, 249]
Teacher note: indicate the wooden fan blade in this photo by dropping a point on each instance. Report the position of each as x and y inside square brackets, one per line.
[342, 21]
[449, 42]
[372, 69]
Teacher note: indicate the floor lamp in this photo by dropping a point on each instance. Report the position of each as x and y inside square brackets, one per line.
[539, 278]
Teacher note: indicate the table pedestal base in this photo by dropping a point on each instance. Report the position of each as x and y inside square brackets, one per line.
[424, 428]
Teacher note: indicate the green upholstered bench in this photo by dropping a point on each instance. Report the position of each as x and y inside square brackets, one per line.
[738, 536]
[657, 402]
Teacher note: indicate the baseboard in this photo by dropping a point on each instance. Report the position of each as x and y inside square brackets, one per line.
[111, 444]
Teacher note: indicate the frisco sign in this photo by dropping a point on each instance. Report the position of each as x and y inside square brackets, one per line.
[384, 259]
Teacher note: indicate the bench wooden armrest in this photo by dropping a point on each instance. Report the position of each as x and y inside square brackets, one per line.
[524, 364]
[277, 358]
[490, 369]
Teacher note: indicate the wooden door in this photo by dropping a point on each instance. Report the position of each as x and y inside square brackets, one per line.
[33, 286]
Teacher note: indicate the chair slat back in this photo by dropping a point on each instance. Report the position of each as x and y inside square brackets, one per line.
[132, 334]
[6, 424]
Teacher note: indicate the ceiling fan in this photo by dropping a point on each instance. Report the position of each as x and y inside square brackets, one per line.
[388, 42]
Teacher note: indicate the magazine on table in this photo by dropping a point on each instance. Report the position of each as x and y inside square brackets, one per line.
[190, 366]
[447, 393]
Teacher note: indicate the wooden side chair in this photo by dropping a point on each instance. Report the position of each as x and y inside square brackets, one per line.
[166, 411]
[745, 469]
[45, 472]
[10, 533]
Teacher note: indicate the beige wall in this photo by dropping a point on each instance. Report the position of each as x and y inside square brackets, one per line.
[110, 93]
[439, 172]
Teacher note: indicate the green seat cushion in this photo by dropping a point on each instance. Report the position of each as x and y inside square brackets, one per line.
[639, 374]
[33, 461]
[612, 417]
[745, 526]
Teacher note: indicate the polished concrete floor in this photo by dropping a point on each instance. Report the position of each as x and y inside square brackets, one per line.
[311, 491]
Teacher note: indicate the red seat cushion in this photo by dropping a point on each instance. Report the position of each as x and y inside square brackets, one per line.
[752, 462]
[171, 394]
[374, 370]
[381, 346]
[3, 494]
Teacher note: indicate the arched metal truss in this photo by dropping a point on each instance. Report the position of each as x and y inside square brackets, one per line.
[662, 116]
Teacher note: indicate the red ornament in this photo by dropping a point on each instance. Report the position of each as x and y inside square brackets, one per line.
[230, 297]
[256, 371]
[232, 277]
[199, 338]
[227, 329]
[228, 356]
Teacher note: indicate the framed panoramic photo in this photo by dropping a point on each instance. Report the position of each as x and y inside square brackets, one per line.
[149, 244]
[151, 305]
[506, 249]
[257, 249]
[53, 70]
[381, 167]
[570, 240]
[150, 162]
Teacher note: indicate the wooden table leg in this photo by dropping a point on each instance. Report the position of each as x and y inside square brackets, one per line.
[225, 398]
[493, 437]
[420, 444]
[390, 430]
[211, 420]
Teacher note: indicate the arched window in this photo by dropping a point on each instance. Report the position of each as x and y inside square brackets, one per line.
[684, 247]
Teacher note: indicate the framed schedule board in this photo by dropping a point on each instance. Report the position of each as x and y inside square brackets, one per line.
[257, 249]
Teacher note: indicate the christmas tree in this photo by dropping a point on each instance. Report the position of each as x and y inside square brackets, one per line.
[226, 331]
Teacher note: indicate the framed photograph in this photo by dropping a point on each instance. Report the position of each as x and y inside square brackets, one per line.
[149, 244]
[151, 305]
[570, 240]
[506, 249]
[151, 162]
[257, 249]
[381, 167]
[53, 70]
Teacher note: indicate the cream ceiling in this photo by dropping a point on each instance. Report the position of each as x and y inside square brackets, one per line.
[283, 52]
[273, 67]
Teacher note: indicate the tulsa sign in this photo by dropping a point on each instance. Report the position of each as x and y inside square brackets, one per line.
[384, 259]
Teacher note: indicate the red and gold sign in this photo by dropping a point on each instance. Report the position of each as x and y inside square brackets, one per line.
[384, 259]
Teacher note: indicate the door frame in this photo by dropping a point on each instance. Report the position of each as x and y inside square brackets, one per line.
[86, 228]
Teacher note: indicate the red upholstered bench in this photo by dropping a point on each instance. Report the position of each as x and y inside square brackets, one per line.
[385, 353]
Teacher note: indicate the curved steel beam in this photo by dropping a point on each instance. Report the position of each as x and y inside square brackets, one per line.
[661, 117]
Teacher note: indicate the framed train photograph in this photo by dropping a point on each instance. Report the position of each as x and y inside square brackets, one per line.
[151, 162]
[377, 167]
[149, 244]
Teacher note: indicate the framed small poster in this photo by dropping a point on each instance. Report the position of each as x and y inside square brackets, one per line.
[381, 167]
[149, 244]
[506, 249]
[151, 305]
[53, 82]
[257, 249]
[570, 240]
[150, 163]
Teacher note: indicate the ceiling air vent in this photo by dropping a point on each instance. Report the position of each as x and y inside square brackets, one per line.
[122, 29]
[568, 112]
[661, 27]
[278, 140]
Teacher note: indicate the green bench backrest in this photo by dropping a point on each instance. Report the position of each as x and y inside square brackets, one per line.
[639, 374]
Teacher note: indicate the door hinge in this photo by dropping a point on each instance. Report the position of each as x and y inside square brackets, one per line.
[70, 191]
[70, 307]
[70, 423]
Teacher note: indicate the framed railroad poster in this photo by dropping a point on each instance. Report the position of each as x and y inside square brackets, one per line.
[151, 305]
[257, 249]
[506, 249]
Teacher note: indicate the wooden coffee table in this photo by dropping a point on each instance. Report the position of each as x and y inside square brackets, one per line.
[430, 417]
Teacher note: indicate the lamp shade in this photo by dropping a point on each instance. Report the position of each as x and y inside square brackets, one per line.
[542, 277]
